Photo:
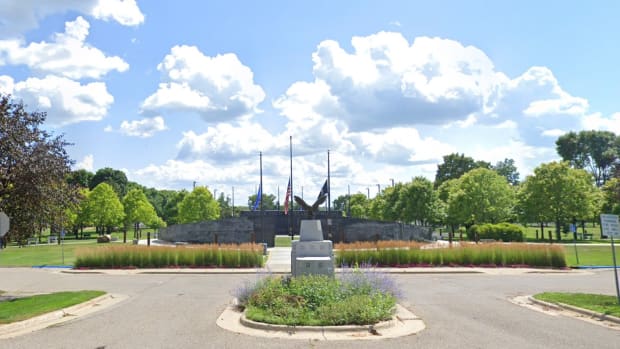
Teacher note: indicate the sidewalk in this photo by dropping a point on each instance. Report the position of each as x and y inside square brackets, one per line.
[279, 260]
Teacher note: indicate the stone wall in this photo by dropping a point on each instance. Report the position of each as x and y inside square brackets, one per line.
[227, 230]
[247, 228]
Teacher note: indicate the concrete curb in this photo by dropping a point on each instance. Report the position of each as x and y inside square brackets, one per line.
[404, 323]
[429, 270]
[586, 312]
[59, 316]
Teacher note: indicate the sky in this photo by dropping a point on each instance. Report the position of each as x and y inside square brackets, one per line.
[177, 92]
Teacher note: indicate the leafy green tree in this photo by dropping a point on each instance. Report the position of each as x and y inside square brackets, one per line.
[269, 202]
[376, 207]
[455, 165]
[198, 206]
[138, 210]
[394, 205]
[595, 151]
[80, 178]
[341, 203]
[481, 196]
[170, 212]
[359, 205]
[225, 206]
[611, 196]
[507, 169]
[115, 178]
[33, 167]
[419, 202]
[559, 194]
[103, 208]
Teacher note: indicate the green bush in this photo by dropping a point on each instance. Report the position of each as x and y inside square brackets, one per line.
[505, 232]
[357, 298]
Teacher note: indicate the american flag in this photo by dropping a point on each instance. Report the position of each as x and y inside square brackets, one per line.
[288, 195]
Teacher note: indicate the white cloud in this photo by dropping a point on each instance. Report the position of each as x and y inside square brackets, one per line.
[226, 143]
[66, 55]
[402, 146]
[65, 101]
[597, 122]
[143, 128]
[86, 163]
[555, 133]
[125, 12]
[18, 16]
[387, 82]
[217, 88]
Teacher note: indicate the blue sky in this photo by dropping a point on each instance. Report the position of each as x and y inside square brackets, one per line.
[183, 91]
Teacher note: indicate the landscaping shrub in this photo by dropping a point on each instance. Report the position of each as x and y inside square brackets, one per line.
[359, 296]
[494, 254]
[211, 255]
[505, 232]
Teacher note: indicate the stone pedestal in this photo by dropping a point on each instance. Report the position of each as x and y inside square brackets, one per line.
[312, 255]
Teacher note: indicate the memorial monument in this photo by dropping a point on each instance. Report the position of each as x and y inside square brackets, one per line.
[311, 255]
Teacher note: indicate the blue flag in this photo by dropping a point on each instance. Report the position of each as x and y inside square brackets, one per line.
[324, 190]
[258, 198]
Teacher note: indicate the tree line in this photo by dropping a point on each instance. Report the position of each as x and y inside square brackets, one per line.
[39, 191]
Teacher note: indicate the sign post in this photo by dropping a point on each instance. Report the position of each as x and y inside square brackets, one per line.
[573, 229]
[611, 227]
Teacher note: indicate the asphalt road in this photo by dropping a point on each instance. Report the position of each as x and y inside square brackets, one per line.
[179, 311]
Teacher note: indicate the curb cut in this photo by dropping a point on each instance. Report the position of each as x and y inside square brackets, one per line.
[586, 312]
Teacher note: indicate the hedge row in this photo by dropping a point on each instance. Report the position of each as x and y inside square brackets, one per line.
[223, 256]
[505, 232]
[496, 254]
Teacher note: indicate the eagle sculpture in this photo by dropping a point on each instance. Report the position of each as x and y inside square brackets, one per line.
[311, 210]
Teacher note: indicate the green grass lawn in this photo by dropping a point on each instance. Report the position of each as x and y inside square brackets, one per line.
[591, 255]
[530, 234]
[284, 240]
[596, 302]
[43, 254]
[25, 308]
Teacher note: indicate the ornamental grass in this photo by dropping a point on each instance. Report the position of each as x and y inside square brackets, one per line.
[193, 256]
[489, 255]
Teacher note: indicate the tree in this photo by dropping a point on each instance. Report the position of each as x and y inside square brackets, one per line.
[419, 202]
[455, 165]
[507, 169]
[359, 205]
[198, 206]
[268, 201]
[80, 178]
[481, 196]
[33, 168]
[611, 196]
[225, 206]
[138, 210]
[394, 205]
[103, 208]
[115, 178]
[596, 151]
[558, 193]
[170, 212]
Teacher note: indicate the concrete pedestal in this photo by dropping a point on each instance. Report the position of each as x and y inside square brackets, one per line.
[311, 254]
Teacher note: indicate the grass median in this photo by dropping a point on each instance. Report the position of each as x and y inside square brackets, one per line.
[18, 309]
[599, 303]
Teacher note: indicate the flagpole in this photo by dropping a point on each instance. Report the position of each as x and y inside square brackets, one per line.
[262, 233]
[290, 227]
[328, 187]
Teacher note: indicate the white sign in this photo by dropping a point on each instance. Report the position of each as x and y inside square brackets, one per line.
[4, 224]
[610, 225]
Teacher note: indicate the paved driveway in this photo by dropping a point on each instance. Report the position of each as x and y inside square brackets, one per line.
[179, 311]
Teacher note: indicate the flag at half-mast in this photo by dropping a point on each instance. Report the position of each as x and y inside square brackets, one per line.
[324, 190]
[288, 195]
[258, 198]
